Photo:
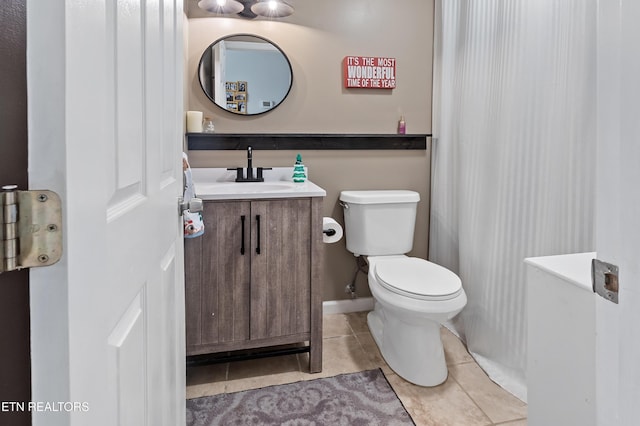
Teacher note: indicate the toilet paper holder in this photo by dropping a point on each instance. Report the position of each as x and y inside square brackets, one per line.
[331, 231]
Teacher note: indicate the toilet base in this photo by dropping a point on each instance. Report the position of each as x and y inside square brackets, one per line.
[413, 351]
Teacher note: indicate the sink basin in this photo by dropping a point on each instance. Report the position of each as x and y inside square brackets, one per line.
[244, 187]
[219, 184]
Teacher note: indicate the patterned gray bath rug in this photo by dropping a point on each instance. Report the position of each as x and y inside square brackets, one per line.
[356, 399]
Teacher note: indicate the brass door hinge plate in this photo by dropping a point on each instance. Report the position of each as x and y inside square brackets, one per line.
[31, 233]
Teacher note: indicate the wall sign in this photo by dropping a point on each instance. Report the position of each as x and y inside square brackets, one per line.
[369, 72]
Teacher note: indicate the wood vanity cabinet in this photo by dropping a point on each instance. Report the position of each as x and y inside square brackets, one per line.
[253, 279]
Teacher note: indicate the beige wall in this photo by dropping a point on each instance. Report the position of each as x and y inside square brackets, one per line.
[316, 39]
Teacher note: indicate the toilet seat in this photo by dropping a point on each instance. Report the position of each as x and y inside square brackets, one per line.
[417, 278]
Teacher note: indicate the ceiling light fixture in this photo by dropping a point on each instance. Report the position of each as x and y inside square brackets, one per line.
[222, 7]
[272, 8]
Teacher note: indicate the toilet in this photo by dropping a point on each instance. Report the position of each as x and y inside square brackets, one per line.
[412, 296]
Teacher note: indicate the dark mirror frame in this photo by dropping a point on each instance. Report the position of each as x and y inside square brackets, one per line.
[207, 54]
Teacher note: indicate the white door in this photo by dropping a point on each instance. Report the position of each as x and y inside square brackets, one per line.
[219, 83]
[618, 211]
[105, 132]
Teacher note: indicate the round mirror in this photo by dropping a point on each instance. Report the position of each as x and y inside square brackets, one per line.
[245, 74]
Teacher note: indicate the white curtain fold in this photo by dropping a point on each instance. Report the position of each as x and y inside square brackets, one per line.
[513, 158]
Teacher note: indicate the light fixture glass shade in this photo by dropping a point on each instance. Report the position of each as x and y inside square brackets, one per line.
[224, 7]
[272, 8]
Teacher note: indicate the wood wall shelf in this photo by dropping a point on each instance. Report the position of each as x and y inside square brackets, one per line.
[303, 141]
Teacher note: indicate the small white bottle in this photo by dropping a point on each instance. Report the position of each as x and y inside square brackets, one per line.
[208, 125]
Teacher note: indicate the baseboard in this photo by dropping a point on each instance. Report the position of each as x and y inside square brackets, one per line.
[348, 305]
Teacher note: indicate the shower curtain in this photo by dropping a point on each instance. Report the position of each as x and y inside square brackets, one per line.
[513, 159]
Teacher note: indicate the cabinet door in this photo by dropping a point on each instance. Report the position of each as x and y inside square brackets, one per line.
[193, 290]
[225, 294]
[280, 268]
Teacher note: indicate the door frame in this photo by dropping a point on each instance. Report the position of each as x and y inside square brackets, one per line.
[15, 351]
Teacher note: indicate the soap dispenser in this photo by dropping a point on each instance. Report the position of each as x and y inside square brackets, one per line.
[299, 175]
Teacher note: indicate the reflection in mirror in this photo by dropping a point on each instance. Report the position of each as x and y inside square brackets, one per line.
[245, 74]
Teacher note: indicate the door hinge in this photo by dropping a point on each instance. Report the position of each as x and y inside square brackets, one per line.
[31, 232]
[604, 277]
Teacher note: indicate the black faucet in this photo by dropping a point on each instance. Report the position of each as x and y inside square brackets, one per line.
[249, 177]
[249, 160]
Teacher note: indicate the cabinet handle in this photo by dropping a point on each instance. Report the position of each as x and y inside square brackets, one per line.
[258, 242]
[242, 242]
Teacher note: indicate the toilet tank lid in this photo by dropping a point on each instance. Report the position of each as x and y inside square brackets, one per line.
[380, 196]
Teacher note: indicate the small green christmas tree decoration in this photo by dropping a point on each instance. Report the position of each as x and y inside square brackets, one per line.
[299, 175]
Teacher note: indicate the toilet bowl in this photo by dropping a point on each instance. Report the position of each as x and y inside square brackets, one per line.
[412, 296]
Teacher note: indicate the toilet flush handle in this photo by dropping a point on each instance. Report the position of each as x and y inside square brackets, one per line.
[343, 205]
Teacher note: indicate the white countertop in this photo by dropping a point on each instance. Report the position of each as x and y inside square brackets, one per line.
[220, 184]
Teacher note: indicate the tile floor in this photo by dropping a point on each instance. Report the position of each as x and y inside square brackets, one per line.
[467, 398]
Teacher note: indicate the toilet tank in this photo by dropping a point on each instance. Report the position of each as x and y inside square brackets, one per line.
[379, 222]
